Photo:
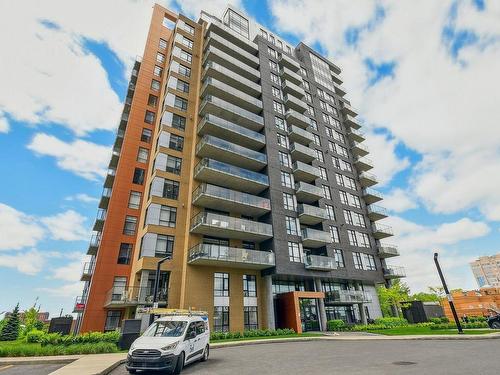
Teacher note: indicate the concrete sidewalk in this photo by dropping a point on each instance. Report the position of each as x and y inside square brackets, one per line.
[93, 364]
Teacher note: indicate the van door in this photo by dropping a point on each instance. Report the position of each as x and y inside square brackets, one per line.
[201, 335]
[190, 341]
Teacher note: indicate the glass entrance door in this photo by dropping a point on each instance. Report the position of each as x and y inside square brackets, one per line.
[308, 314]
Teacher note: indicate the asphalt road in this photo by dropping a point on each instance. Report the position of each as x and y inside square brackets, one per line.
[29, 369]
[478, 357]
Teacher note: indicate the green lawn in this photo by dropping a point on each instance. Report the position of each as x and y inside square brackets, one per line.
[295, 335]
[398, 331]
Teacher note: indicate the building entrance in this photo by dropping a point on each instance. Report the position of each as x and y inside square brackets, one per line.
[309, 314]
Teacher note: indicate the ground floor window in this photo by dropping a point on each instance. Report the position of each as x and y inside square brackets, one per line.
[250, 317]
[221, 318]
[113, 318]
[345, 313]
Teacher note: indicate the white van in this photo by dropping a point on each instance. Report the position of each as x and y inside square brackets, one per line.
[171, 342]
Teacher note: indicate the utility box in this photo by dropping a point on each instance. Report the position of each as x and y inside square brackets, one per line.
[131, 330]
[61, 325]
[421, 312]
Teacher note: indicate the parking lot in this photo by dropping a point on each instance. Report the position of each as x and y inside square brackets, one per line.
[353, 357]
[28, 369]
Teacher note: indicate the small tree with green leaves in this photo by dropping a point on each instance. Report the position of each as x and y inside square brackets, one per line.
[394, 295]
[10, 330]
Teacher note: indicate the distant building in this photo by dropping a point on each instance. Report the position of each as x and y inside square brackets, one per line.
[42, 316]
[486, 270]
[473, 303]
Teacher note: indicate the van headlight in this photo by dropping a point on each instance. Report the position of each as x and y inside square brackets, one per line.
[170, 346]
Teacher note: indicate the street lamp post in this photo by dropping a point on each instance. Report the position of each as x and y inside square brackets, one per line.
[448, 295]
[156, 285]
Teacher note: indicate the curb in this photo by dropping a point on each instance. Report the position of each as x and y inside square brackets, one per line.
[112, 367]
[48, 360]
[230, 344]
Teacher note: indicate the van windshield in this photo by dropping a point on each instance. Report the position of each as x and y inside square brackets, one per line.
[166, 329]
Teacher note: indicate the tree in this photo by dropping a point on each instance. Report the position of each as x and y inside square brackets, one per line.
[31, 321]
[10, 331]
[394, 295]
[433, 294]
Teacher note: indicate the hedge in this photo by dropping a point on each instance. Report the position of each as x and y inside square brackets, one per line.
[20, 349]
[441, 320]
[43, 338]
[251, 333]
[391, 322]
[464, 325]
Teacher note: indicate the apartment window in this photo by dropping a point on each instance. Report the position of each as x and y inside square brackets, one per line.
[358, 263]
[348, 217]
[113, 318]
[310, 110]
[321, 93]
[271, 39]
[146, 135]
[162, 44]
[221, 318]
[313, 123]
[280, 123]
[284, 159]
[221, 284]
[316, 140]
[334, 233]
[180, 103]
[276, 92]
[160, 57]
[185, 71]
[358, 220]
[139, 175]
[182, 86]
[271, 52]
[155, 85]
[134, 200]
[338, 256]
[309, 97]
[291, 226]
[149, 117]
[306, 85]
[329, 131]
[369, 262]
[355, 201]
[322, 173]
[187, 42]
[188, 28]
[342, 151]
[289, 202]
[250, 317]
[164, 246]
[303, 71]
[142, 155]
[173, 165]
[326, 192]
[286, 179]
[283, 141]
[322, 105]
[350, 183]
[338, 136]
[152, 100]
[340, 179]
[124, 253]
[353, 240]
[263, 33]
[178, 122]
[171, 189]
[280, 44]
[168, 216]
[186, 56]
[157, 71]
[275, 79]
[248, 245]
[330, 211]
[343, 197]
[176, 142]
[130, 225]
[363, 239]
[273, 65]
[278, 107]
[294, 252]
[319, 156]
[249, 286]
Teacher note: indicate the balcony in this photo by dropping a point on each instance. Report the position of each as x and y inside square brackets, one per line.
[381, 231]
[347, 297]
[219, 198]
[367, 179]
[295, 118]
[371, 196]
[226, 75]
[88, 270]
[307, 193]
[363, 164]
[115, 156]
[110, 177]
[221, 90]
[227, 175]
[359, 149]
[299, 135]
[315, 238]
[235, 65]
[79, 305]
[339, 89]
[302, 153]
[99, 221]
[220, 128]
[336, 78]
[319, 263]
[231, 49]
[106, 195]
[394, 272]
[219, 149]
[305, 172]
[223, 256]
[311, 215]
[376, 212]
[232, 36]
[352, 122]
[291, 102]
[118, 297]
[290, 75]
[290, 88]
[356, 135]
[94, 243]
[221, 108]
[348, 110]
[386, 250]
[211, 224]
[290, 63]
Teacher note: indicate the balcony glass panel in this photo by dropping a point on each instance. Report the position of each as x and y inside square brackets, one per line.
[209, 254]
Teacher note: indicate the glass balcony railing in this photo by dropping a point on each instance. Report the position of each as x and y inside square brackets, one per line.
[290, 63]
[356, 135]
[367, 179]
[352, 122]
[305, 172]
[209, 254]
[214, 54]
[291, 88]
[348, 109]
[315, 238]
[311, 214]
[393, 272]
[80, 303]
[232, 49]
[359, 149]
[291, 102]
[300, 135]
[296, 118]
[376, 212]
[211, 86]
[307, 193]
[219, 28]
[319, 263]
[99, 221]
[381, 231]
[386, 250]
[371, 195]
[132, 296]
[88, 270]
[290, 75]
[302, 153]
[226, 75]
[347, 296]
[363, 164]
[94, 243]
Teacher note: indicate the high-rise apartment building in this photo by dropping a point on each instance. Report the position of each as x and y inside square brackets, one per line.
[486, 270]
[239, 159]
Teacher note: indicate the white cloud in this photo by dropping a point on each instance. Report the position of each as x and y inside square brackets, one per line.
[66, 290]
[86, 159]
[4, 123]
[398, 200]
[67, 226]
[70, 271]
[215, 7]
[18, 229]
[82, 197]
[29, 263]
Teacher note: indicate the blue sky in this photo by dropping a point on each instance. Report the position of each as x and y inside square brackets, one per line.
[437, 174]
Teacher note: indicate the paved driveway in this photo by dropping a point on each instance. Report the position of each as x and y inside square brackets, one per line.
[478, 357]
[28, 369]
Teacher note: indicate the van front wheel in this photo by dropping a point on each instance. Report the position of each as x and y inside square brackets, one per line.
[205, 354]
[180, 364]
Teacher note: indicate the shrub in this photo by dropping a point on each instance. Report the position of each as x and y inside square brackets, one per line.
[19, 349]
[335, 325]
[464, 325]
[10, 331]
[436, 320]
[34, 336]
[392, 322]
[215, 336]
